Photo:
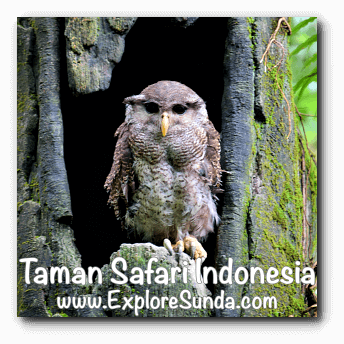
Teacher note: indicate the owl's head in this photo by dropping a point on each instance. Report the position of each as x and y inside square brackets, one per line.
[166, 104]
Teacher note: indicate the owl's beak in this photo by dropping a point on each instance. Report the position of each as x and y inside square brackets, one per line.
[164, 123]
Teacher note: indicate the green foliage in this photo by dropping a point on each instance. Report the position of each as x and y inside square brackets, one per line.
[304, 82]
[304, 45]
[303, 58]
[302, 24]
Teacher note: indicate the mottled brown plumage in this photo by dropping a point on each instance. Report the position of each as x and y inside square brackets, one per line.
[166, 166]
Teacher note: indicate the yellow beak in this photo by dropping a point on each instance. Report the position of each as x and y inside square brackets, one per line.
[164, 123]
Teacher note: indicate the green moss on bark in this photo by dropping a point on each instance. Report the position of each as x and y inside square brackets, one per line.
[276, 208]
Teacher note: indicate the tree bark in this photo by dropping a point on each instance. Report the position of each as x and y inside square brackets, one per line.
[268, 209]
[263, 216]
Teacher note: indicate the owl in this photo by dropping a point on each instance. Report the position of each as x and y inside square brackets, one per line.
[166, 168]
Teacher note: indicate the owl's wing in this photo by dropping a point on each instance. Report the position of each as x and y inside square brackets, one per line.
[212, 158]
[120, 181]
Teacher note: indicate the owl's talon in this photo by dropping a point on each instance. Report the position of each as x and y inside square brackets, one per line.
[194, 248]
[168, 246]
[178, 248]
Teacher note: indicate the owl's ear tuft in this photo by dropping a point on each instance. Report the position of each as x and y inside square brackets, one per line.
[134, 99]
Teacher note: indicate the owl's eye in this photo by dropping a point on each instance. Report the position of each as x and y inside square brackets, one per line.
[179, 109]
[152, 107]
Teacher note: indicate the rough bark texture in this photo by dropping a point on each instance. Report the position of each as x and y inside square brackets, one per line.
[269, 204]
[262, 221]
[94, 47]
[44, 209]
[237, 142]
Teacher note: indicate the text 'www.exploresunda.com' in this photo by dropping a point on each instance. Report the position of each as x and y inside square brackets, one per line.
[185, 301]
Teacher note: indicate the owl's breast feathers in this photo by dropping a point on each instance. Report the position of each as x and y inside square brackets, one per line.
[182, 146]
[176, 173]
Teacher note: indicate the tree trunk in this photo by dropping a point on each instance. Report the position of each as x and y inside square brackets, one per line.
[73, 74]
[262, 221]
